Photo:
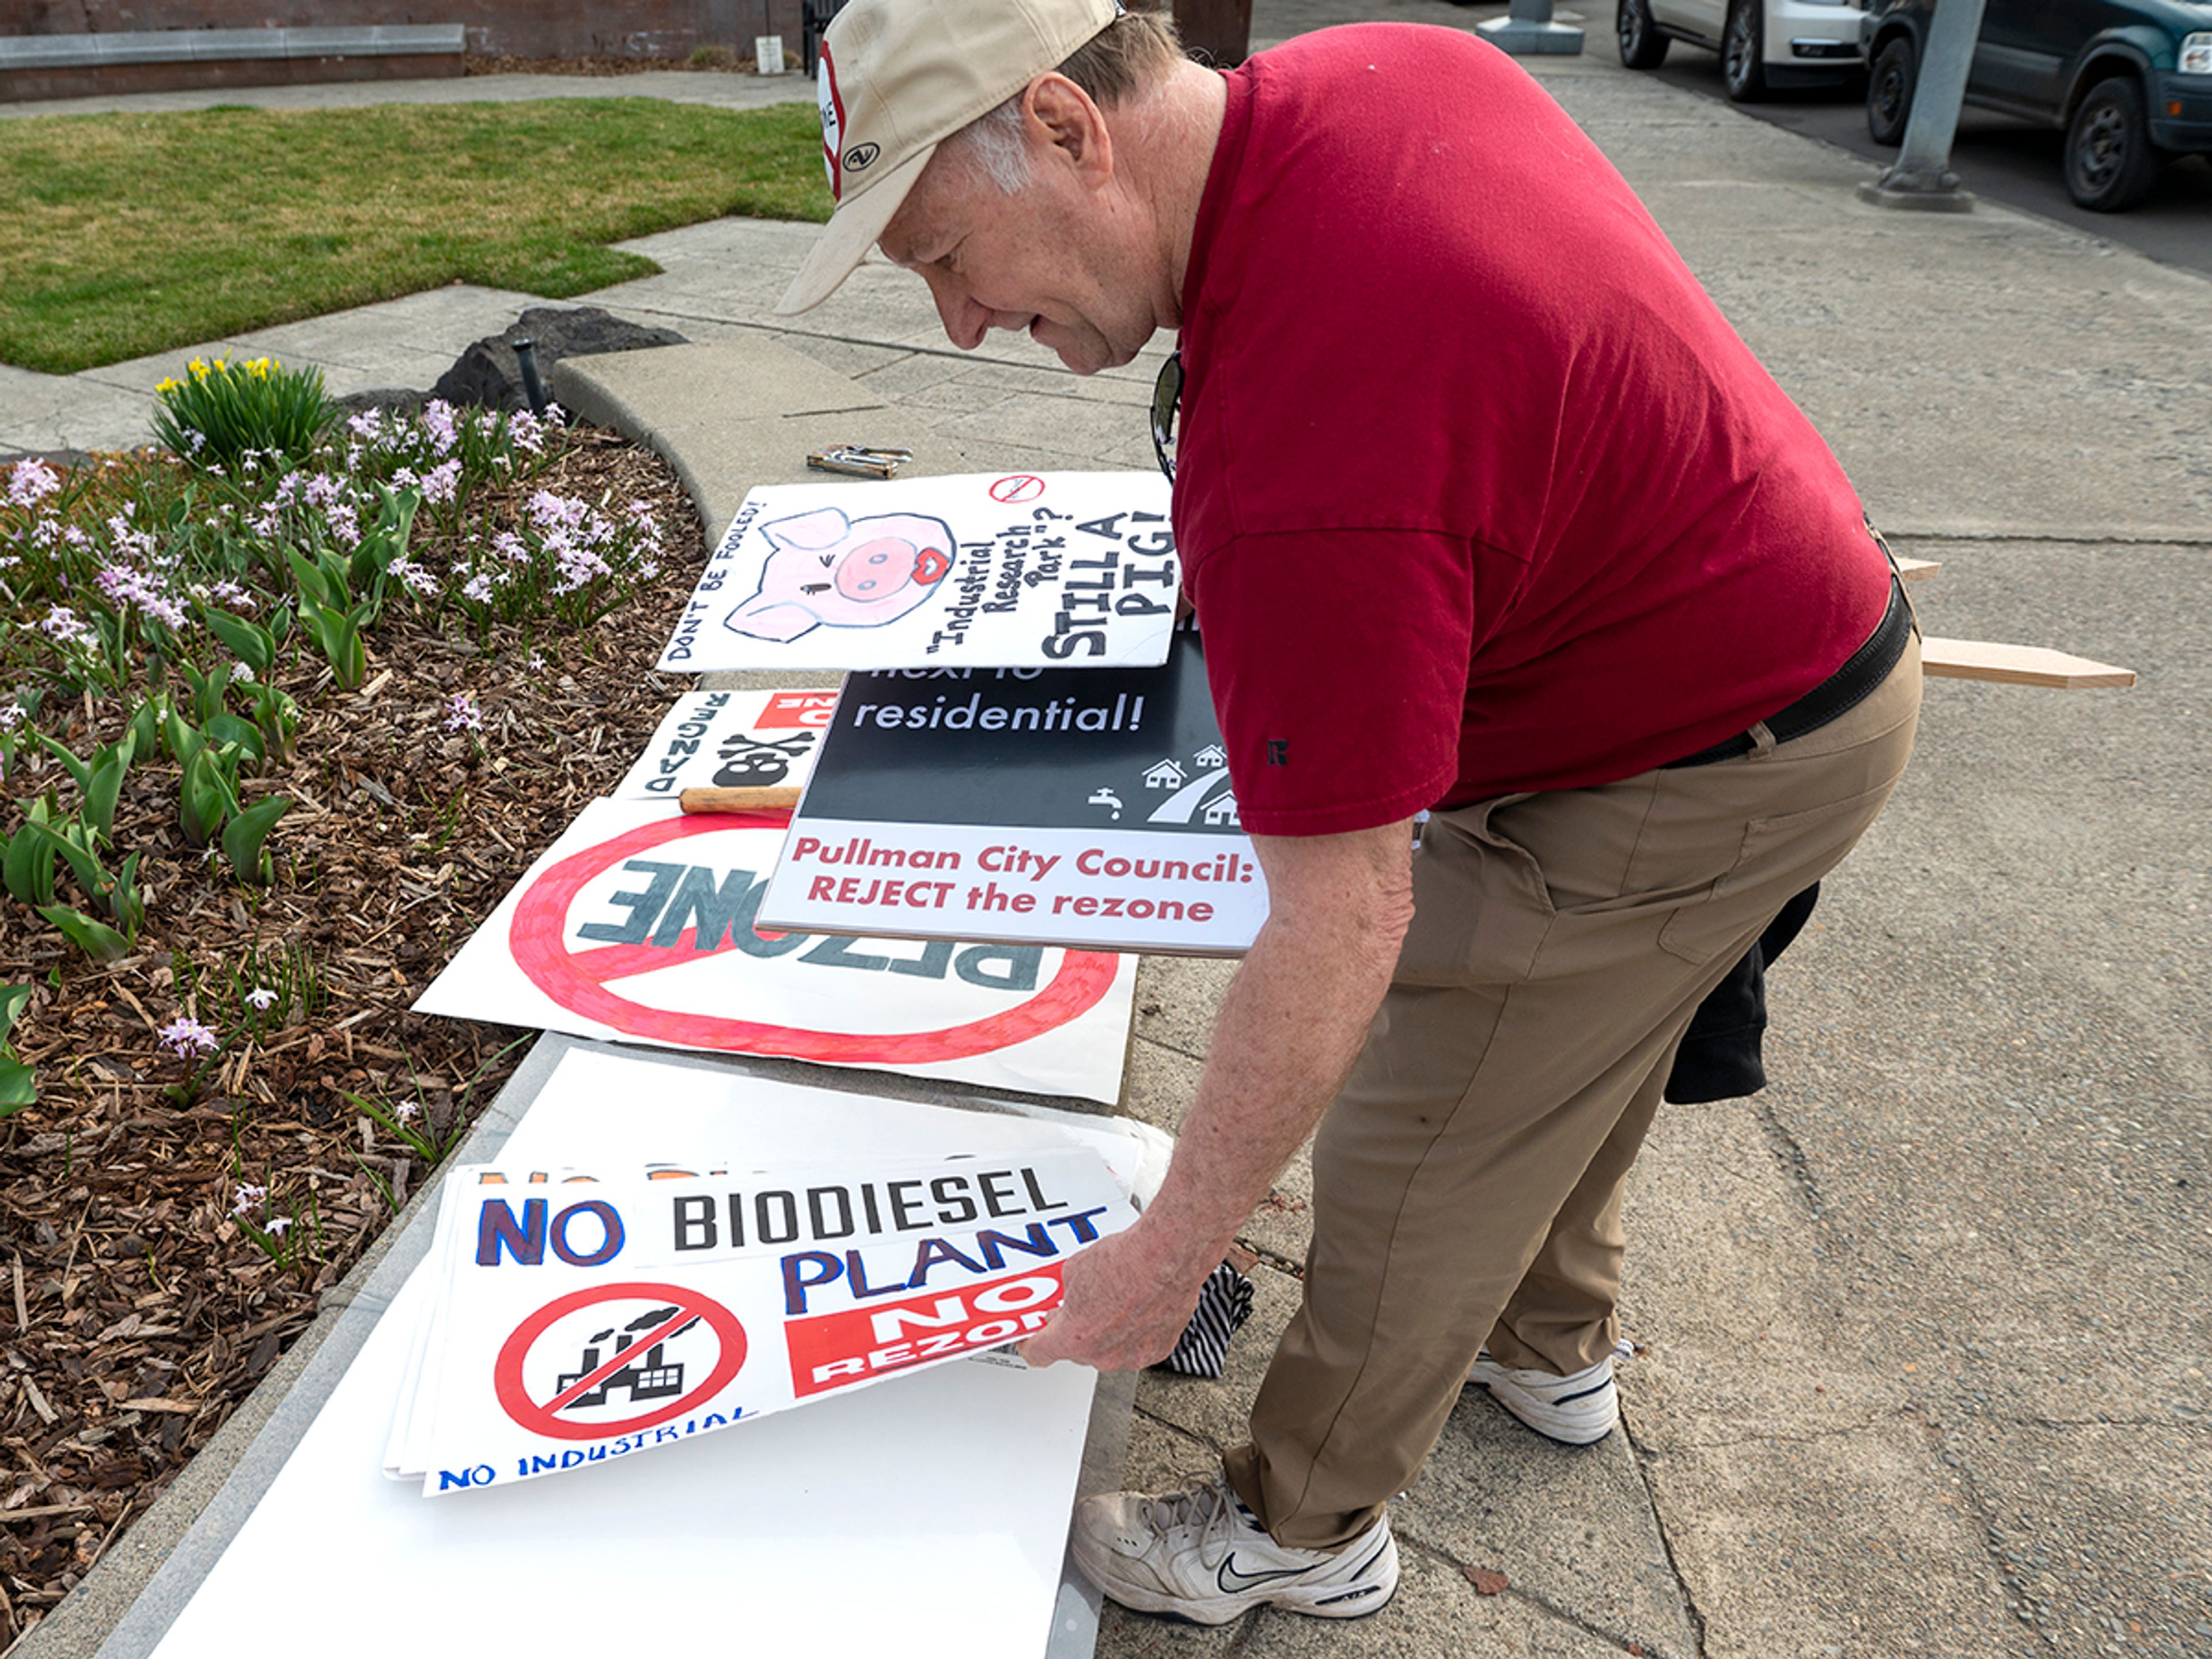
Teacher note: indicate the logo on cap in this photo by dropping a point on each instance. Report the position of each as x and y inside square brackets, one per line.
[861, 156]
[833, 125]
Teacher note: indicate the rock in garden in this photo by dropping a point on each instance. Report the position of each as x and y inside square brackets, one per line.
[487, 374]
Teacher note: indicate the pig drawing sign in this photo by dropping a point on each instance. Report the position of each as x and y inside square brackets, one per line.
[584, 1319]
[974, 571]
[826, 570]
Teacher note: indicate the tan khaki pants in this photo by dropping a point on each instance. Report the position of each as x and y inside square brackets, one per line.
[1467, 1182]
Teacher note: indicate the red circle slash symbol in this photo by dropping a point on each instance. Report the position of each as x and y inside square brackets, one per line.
[636, 1367]
[1017, 487]
[577, 980]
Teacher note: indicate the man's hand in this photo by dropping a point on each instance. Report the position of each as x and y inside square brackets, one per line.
[1124, 1308]
[1295, 1017]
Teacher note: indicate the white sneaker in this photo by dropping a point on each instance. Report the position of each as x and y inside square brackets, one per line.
[1202, 1557]
[1579, 1410]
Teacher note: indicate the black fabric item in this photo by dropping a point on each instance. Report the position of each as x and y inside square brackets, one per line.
[1225, 1303]
[1720, 1058]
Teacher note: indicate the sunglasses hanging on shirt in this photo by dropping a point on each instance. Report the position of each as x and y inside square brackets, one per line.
[1167, 397]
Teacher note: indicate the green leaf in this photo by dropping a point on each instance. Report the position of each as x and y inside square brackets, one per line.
[248, 641]
[123, 903]
[74, 842]
[18, 1087]
[242, 842]
[228, 728]
[95, 938]
[106, 787]
[180, 739]
[12, 999]
[28, 866]
[315, 583]
[80, 771]
[201, 798]
[146, 725]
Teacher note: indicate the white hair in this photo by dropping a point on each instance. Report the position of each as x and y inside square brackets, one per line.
[996, 144]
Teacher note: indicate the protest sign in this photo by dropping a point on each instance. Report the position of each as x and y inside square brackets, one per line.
[589, 1318]
[978, 570]
[960, 1477]
[730, 740]
[638, 926]
[1083, 807]
[570, 1138]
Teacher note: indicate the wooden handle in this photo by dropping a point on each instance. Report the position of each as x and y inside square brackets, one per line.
[2016, 665]
[748, 799]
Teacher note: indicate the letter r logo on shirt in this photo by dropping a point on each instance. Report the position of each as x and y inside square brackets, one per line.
[1279, 751]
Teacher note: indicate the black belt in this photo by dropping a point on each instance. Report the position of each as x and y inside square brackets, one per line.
[1865, 669]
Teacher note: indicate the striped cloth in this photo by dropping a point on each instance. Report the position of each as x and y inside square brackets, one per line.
[1225, 1303]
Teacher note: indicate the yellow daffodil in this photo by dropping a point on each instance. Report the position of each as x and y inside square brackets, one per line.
[169, 385]
[198, 367]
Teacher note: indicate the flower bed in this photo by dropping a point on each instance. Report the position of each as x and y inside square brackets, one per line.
[279, 732]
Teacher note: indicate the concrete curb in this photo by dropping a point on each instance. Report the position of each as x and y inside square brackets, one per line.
[737, 412]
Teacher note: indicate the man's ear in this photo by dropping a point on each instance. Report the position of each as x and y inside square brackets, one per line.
[1064, 121]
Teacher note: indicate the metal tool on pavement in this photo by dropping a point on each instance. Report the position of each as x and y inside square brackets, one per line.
[860, 460]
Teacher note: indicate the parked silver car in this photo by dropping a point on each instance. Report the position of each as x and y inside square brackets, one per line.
[1763, 44]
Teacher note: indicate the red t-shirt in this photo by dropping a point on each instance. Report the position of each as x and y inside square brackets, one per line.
[1477, 491]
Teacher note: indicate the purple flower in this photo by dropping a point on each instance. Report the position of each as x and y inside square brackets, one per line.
[246, 1197]
[478, 588]
[277, 1225]
[462, 713]
[61, 624]
[31, 482]
[262, 998]
[443, 483]
[407, 1110]
[418, 579]
[186, 1037]
[438, 419]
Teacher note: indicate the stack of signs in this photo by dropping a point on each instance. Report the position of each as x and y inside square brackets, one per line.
[638, 926]
[978, 571]
[1123, 834]
[584, 1319]
[951, 1483]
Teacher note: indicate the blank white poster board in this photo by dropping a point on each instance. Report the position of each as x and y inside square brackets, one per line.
[925, 1516]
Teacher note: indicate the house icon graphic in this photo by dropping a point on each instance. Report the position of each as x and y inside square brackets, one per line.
[1211, 757]
[1222, 809]
[1166, 776]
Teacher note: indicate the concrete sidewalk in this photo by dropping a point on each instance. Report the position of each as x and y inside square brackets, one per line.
[1928, 1327]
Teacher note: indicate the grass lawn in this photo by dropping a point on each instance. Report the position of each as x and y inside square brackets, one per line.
[127, 235]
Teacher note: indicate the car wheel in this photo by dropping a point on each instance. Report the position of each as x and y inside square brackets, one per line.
[1743, 46]
[1641, 45]
[2111, 163]
[1889, 92]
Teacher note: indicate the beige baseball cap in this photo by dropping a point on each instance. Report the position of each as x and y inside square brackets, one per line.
[899, 77]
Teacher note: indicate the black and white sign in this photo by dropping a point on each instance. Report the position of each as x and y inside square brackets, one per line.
[1089, 808]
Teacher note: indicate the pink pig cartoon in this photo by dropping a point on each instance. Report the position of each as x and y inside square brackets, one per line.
[829, 571]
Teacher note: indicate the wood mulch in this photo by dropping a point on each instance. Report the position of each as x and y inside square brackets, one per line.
[135, 1314]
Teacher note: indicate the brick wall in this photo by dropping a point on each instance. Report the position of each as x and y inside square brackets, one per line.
[521, 28]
